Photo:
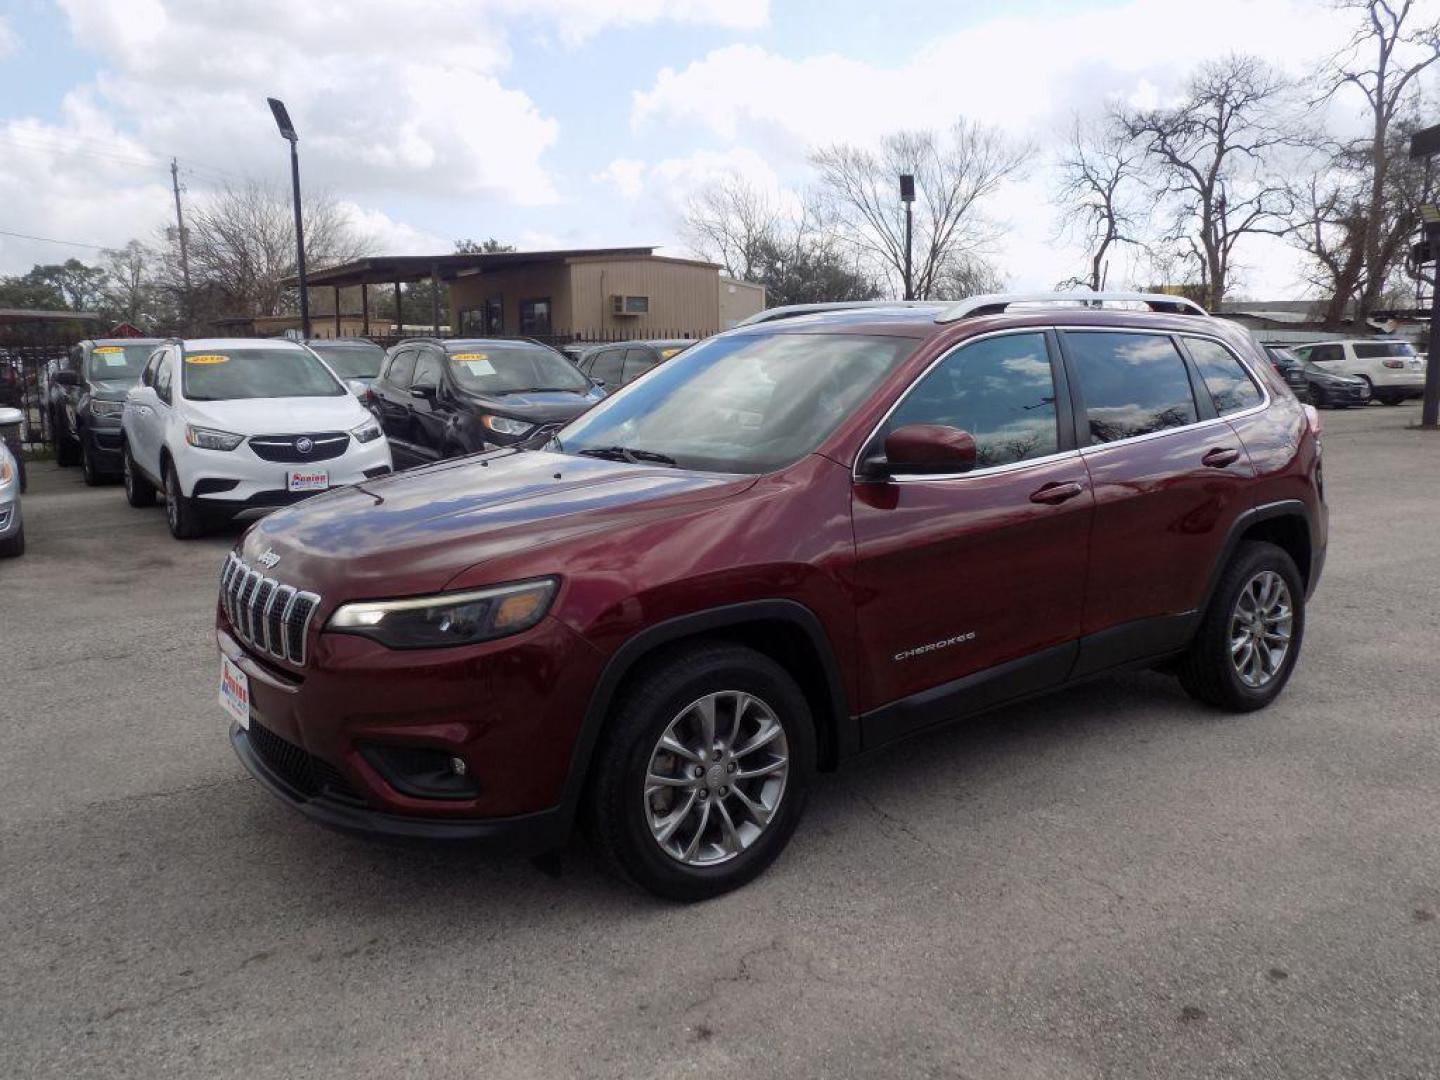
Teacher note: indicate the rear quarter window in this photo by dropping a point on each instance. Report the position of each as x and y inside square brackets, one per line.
[1230, 385]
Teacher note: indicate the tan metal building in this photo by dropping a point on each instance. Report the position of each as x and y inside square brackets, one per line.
[598, 294]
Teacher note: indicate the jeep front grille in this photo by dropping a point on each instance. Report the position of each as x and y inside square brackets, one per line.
[266, 615]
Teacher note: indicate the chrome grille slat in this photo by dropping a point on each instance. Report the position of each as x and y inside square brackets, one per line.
[264, 613]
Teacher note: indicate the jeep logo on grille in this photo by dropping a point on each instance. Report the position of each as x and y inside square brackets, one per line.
[268, 558]
[304, 444]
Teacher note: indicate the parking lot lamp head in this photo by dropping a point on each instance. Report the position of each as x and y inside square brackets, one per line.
[287, 132]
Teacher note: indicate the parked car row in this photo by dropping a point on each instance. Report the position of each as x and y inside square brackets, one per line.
[1336, 374]
[12, 525]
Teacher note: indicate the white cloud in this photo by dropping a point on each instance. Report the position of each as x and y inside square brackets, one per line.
[391, 237]
[626, 175]
[9, 40]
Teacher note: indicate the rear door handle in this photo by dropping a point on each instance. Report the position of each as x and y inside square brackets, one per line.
[1051, 494]
[1220, 457]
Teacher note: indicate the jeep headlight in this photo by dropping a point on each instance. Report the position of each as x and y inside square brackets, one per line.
[460, 618]
[505, 426]
[210, 439]
[106, 410]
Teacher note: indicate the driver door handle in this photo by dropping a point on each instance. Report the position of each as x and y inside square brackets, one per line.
[1220, 457]
[1055, 493]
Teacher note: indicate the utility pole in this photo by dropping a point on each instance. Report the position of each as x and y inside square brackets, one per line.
[1426, 144]
[189, 309]
[907, 196]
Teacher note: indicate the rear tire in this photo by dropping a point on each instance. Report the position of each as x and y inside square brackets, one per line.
[14, 546]
[139, 492]
[67, 452]
[181, 513]
[1258, 608]
[723, 835]
[1393, 400]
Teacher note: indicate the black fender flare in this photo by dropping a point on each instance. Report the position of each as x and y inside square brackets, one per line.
[691, 624]
[1251, 517]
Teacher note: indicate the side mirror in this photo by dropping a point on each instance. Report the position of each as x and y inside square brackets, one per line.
[428, 391]
[358, 388]
[65, 378]
[928, 448]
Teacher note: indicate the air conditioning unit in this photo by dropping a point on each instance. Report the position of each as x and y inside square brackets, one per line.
[629, 305]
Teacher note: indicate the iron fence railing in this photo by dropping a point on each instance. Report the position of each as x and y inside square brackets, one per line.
[25, 372]
[558, 339]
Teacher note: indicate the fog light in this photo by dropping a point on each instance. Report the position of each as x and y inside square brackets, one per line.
[422, 772]
[457, 766]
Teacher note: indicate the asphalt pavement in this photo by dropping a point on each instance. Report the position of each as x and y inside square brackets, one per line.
[1110, 882]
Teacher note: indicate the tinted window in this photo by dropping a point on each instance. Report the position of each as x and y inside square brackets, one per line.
[605, 367]
[637, 362]
[1324, 354]
[513, 369]
[1374, 350]
[428, 371]
[535, 317]
[164, 373]
[401, 368]
[1132, 384]
[1225, 377]
[1001, 390]
[749, 403]
[352, 361]
[230, 374]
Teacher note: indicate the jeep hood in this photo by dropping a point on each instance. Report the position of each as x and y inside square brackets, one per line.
[411, 533]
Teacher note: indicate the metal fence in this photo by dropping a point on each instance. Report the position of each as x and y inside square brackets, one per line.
[25, 372]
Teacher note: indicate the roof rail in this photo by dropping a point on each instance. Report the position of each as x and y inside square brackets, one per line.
[790, 311]
[996, 303]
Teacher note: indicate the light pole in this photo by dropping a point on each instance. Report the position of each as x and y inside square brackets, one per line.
[907, 196]
[287, 132]
[1426, 144]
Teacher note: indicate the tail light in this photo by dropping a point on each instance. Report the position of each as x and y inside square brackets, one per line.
[1393, 364]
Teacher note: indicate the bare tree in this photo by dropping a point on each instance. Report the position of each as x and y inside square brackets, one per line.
[956, 174]
[242, 244]
[1212, 155]
[1352, 217]
[1099, 175]
[129, 292]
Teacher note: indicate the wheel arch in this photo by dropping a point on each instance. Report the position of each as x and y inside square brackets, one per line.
[1286, 524]
[785, 630]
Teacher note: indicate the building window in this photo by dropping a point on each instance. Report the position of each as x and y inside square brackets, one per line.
[472, 321]
[495, 315]
[535, 316]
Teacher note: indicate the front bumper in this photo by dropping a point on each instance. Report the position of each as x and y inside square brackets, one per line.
[103, 446]
[240, 484]
[10, 519]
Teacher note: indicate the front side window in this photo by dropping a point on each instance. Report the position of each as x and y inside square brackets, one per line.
[164, 372]
[535, 316]
[513, 369]
[1325, 354]
[1001, 390]
[428, 371]
[1378, 350]
[637, 362]
[605, 368]
[1225, 377]
[231, 374]
[750, 403]
[401, 369]
[1132, 384]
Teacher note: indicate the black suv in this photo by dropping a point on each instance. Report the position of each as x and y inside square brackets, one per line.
[86, 398]
[438, 399]
[614, 366]
[1314, 384]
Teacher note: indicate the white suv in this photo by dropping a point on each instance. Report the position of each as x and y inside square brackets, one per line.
[1391, 367]
[235, 428]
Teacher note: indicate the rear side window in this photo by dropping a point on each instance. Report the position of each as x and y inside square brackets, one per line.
[1132, 384]
[1225, 377]
[1001, 390]
[1375, 350]
[401, 368]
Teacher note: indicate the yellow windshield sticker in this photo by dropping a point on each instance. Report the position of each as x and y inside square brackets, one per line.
[108, 348]
[460, 357]
[665, 354]
[207, 358]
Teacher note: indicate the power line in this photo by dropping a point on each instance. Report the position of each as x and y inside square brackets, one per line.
[52, 240]
[53, 148]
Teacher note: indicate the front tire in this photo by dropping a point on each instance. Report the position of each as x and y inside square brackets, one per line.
[139, 492]
[702, 773]
[14, 546]
[181, 513]
[1250, 636]
[67, 450]
[87, 468]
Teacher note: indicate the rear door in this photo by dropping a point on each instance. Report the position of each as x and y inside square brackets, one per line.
[1169, 476]
[978, 575]
[392, 405]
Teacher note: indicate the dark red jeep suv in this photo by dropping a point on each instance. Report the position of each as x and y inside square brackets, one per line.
[791, 544]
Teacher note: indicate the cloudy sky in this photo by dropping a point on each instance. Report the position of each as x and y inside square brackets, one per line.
[569, 122]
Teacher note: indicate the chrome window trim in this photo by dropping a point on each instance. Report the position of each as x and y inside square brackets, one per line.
[911, 478]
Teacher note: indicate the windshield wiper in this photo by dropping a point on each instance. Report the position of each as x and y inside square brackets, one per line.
[626, 453]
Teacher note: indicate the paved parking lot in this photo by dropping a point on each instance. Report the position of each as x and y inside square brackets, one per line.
[1112, 882]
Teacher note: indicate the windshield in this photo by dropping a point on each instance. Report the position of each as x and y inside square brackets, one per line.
[118, 361]
[1373, 350]
[750, 403]
[230, 374]
[514, 369]
[352, 361]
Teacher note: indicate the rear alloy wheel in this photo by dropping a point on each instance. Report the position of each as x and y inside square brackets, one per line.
[139, 492]
[181, 513]
[702, 772]
[1249, 637]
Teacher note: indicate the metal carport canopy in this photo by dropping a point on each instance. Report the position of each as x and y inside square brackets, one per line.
[389, 269]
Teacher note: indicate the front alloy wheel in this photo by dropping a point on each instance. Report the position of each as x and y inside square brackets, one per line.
[716, 778]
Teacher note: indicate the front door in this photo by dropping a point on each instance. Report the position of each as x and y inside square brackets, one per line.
[970, 586]
[391, 395]
[429, 411]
